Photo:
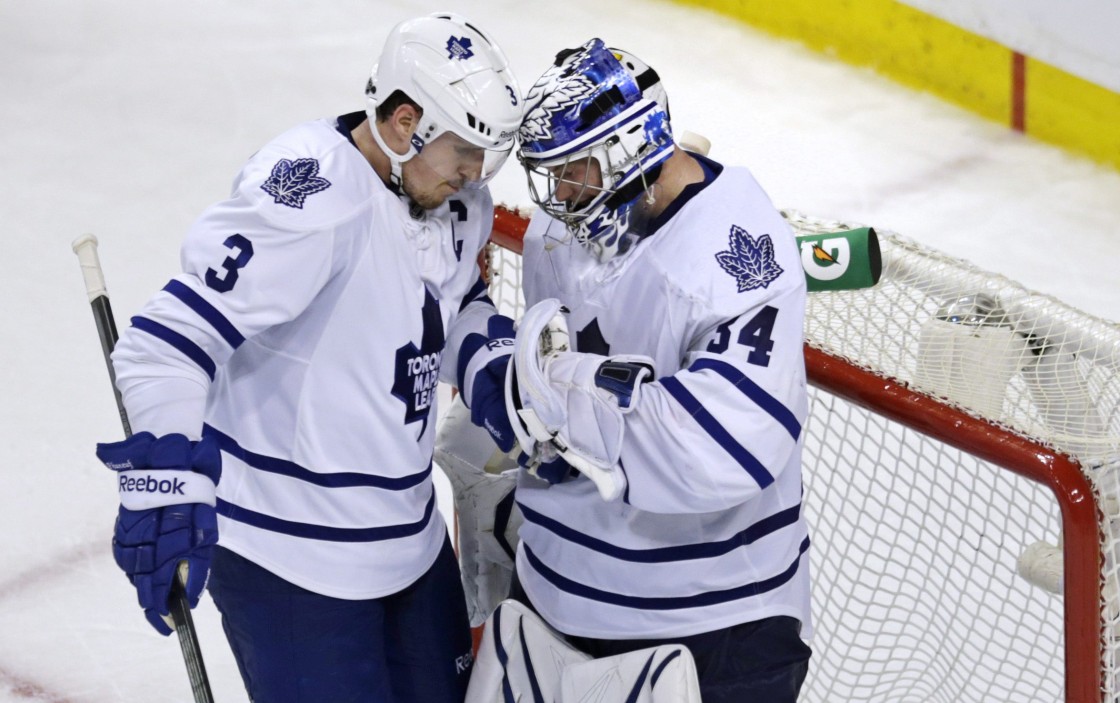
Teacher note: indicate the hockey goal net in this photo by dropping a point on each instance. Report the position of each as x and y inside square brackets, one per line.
[961, 463]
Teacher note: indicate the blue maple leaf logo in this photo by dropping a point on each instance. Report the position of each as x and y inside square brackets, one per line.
[417, 368]
[292, 181]
[459, 48]
[750, 261]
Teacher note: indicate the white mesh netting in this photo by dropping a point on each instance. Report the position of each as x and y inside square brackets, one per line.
[933, 536]
[918, 546]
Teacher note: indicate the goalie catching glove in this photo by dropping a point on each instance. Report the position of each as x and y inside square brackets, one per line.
[569, 404]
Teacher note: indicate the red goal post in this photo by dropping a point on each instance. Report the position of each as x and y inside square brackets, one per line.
[902, 453]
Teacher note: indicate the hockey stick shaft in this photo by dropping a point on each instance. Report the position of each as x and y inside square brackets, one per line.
[86, 249]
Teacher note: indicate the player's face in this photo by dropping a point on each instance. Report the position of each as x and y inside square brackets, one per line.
[445, 165]
[577, 182]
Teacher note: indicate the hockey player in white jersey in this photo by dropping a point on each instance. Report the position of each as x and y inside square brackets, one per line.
[663, 498]
[283, 386]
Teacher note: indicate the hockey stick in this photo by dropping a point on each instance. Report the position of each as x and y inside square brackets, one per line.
[86, 249]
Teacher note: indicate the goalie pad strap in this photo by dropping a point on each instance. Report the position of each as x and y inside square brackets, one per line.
[622, 378]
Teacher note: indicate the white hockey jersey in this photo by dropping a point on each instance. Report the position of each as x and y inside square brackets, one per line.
[709, 533]
[307, 334]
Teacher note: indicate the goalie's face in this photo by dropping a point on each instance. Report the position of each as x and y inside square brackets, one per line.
[577, 183]
[566, 189]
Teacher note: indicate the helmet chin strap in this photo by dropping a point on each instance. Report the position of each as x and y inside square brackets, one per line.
[395, 159]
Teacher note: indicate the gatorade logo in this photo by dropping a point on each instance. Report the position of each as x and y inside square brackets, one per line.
[826, 260]
[172, 486]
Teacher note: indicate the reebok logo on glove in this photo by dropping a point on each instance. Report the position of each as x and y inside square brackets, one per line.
[499, 343]
[151, 485]
[155, 488]
[496, 433]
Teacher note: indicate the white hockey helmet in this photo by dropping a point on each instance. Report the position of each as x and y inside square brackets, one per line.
[598, 106]
[460, 79]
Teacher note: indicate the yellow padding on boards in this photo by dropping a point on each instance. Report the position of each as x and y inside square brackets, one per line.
[1074, 113]
[924, 52]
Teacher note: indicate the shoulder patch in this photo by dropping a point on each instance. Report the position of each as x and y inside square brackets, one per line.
[750, 260]
[292, 181]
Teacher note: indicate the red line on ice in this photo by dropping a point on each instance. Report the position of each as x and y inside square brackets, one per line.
[23, 687]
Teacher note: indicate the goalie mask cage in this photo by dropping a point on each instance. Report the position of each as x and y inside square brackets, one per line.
[960, 470]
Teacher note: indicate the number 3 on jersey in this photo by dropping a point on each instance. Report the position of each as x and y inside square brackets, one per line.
[755, 334]
[224, 282]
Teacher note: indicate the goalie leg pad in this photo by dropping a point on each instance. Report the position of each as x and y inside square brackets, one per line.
[665, 674]
[487, 515]
[520, 658]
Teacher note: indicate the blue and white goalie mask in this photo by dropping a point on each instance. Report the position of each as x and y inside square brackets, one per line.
[593, 140]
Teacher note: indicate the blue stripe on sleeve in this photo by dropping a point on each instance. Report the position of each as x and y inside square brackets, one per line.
[189, 349]
[625, 491]
[715, 430]
[477, 292]
[753, 391]
[698, 600]
[323, 532]
[206, 311]
[341, 479]
[471, 345]
[659, 555]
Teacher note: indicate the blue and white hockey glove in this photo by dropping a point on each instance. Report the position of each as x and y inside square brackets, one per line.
[483, 362]
[166, 517]
[554, 471]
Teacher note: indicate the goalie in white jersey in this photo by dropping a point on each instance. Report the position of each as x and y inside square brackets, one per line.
[663, 500]
[294, 363]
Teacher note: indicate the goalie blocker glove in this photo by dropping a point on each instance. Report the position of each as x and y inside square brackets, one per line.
[167, 490]
[570, 404]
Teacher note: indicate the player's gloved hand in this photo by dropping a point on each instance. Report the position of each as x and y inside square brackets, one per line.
[166, 517]
[571, 405]
[483, 362]
[554, 471]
